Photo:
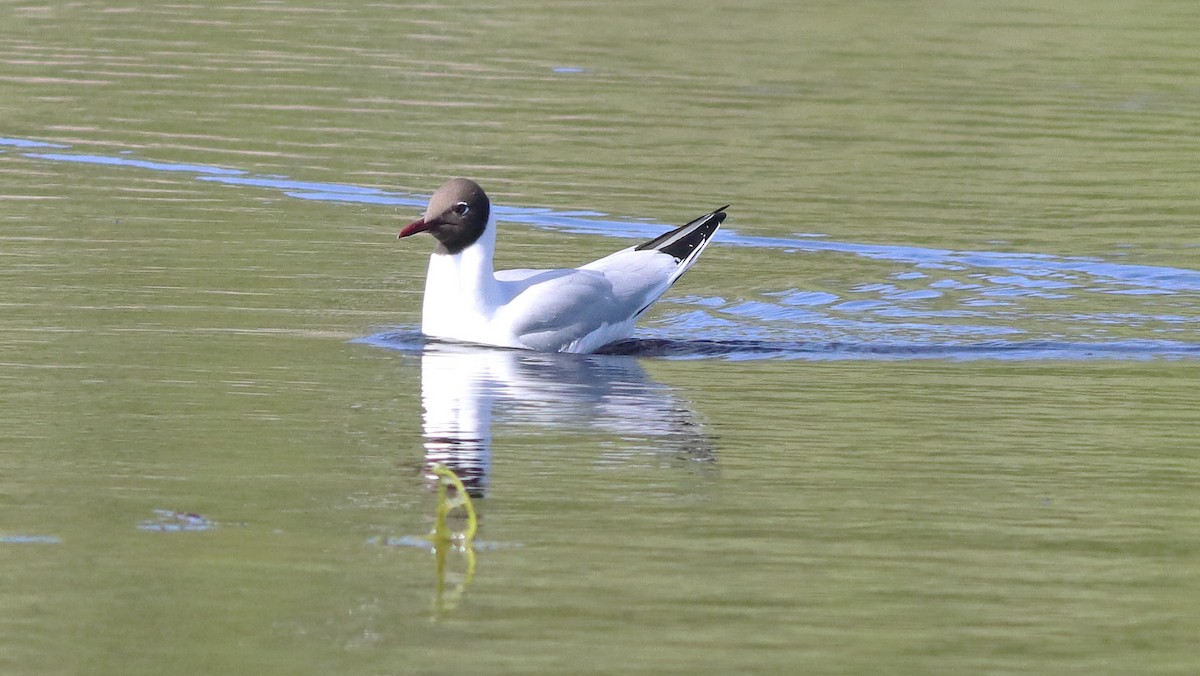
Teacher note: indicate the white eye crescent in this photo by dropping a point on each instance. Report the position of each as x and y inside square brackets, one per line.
[461, 208]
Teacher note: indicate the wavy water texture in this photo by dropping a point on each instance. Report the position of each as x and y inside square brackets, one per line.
[940, 303]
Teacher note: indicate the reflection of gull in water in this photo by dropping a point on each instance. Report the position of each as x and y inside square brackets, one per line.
[456, 393]
[462, 386]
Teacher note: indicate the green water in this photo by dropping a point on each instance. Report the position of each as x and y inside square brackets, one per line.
[168, 343]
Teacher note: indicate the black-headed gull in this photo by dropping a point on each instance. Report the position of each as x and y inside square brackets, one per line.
[570, 310]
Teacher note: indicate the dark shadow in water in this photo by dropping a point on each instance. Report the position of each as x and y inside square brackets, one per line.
[739, 350]
[465, 387]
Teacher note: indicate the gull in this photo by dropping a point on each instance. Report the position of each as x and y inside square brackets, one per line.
[566, 310]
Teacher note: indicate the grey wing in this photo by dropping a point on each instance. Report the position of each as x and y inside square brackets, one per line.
[560, 307]
[638, 278]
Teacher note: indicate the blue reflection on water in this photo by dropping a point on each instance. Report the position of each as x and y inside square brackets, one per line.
[29, 540]
[168, 521]
[140, 164]
[29, 143]
[993, 292]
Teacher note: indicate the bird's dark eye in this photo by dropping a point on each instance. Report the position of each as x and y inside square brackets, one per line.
[461, 208]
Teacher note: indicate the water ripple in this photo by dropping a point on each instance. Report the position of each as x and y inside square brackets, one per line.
[941, 307]
[29, 143]
[409, 340]
[736, 350]
[140, 164]
[30, 539]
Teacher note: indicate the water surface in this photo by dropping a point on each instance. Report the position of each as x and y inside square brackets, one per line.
[928, 404]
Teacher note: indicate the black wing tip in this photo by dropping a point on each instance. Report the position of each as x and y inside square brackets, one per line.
[702, 229]
[716, 214]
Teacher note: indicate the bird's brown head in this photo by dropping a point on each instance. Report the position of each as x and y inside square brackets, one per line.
[457, 215]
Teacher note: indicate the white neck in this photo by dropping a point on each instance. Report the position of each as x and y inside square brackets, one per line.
[461, 291]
